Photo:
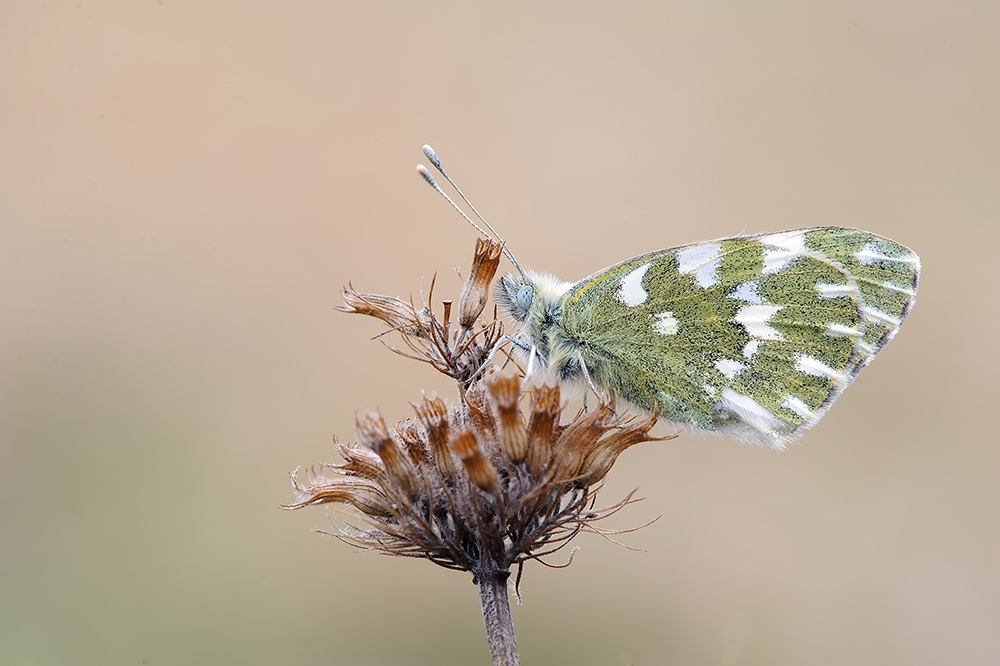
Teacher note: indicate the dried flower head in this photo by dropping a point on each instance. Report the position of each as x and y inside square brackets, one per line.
[480, 485]
[463, 490]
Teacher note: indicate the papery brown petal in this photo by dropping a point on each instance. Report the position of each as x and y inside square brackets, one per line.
[479, 468]
[476, 291]
[372, 433]
[506, 391]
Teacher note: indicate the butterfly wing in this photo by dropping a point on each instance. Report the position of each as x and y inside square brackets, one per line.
[752, 336]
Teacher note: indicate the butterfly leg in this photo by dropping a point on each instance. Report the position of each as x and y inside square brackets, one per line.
[531, 366]
[530, 350]
[488, 360]
[590, 384]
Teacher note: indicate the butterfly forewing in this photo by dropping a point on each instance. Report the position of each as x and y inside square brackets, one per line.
[752, 336]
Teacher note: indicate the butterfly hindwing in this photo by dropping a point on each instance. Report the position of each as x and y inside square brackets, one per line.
[751, 336]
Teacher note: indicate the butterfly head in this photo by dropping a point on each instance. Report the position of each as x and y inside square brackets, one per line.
[515, 295]
[533, 299]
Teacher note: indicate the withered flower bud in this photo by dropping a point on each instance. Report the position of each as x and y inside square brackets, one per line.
[506, 390]
[479, 468]
[477, 287]
[373, 434]
[545, 410]
[433, 415]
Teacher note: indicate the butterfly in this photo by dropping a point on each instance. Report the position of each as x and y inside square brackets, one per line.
[753, 337]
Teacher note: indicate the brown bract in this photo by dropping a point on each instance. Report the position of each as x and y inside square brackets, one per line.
[491, 481]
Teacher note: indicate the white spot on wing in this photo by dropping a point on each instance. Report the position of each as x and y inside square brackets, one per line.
[753, 421]
[835, 290]
[729, 367]
[786, 247]
[755, 318]
[817, 368]
[840, 331]
[877, 315]
[888, 286]
[797, 406]
[666, 323]
[870, 253]
[703, 261]
[750, 348]
[631, 292]
[747, 292]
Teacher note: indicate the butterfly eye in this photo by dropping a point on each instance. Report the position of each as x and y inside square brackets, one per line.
[524, 296]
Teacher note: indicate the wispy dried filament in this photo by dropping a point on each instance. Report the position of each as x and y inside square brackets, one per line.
[478, 485]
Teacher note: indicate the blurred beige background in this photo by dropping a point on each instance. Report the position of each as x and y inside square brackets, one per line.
[185, 186]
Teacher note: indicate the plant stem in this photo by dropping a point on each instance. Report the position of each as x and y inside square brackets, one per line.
[496, 617]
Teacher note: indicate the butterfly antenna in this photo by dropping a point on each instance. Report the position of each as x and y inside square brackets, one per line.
[436, 162]
[422, 170]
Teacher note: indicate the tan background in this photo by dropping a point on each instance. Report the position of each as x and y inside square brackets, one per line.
[185, 186]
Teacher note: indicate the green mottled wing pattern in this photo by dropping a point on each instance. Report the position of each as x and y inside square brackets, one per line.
[753, 336]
